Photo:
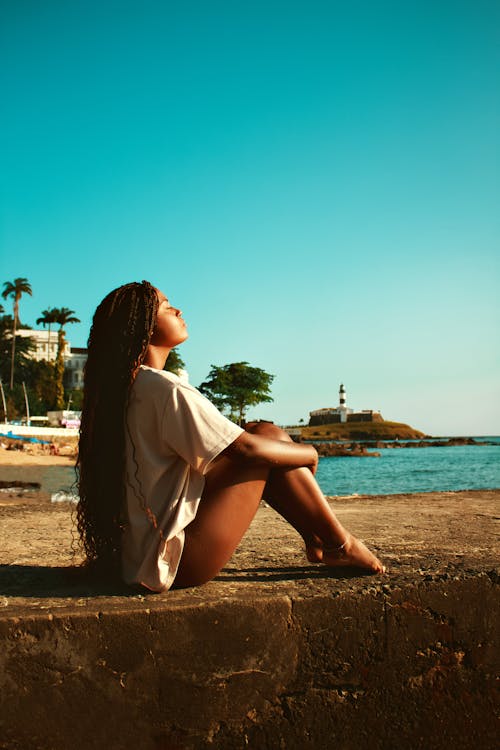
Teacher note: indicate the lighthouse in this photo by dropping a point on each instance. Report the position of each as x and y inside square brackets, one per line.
[341, 395]
[342, 413]
[342, 409]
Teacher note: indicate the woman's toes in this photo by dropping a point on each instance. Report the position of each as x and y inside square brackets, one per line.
[355, 554]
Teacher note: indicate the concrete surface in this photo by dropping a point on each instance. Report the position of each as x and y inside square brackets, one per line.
[275, 653]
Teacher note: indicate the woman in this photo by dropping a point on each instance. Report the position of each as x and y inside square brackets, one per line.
[167, 485]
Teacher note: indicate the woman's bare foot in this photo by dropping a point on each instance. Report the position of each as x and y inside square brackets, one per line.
[353, 553]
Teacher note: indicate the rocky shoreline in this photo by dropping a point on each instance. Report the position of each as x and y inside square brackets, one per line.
[363, 448]
[352, 449]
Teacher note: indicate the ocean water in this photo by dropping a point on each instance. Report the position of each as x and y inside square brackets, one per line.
[400, 470]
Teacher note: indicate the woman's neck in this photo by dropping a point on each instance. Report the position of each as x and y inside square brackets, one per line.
[156, 356]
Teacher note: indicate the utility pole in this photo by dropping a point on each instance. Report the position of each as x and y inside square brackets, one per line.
[28, 420]
[3, 402]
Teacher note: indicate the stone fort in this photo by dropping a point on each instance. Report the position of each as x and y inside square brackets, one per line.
[341, 413]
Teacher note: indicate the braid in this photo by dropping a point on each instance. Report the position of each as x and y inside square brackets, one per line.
[121, 330]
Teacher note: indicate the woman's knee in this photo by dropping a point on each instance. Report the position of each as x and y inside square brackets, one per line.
[269, 430]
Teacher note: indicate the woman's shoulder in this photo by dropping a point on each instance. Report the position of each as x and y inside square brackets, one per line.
[162, 386]
[161, 378]
[154, 385]
[148, 378]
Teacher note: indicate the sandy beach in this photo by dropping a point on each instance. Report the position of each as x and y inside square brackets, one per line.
[37, 455]
[23, 458]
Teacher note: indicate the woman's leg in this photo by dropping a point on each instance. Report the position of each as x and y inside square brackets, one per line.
[230, 500]
[296, 495]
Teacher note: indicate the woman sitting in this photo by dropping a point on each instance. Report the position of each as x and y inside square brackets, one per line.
[168, 485]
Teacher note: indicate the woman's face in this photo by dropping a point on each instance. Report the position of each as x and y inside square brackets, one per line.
[170, 327]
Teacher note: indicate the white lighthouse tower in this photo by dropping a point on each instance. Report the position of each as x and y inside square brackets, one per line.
[341, 395]
[342, 409]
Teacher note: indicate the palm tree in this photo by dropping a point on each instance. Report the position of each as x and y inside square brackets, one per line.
[15, 289]
[47, 318]
[63, 316]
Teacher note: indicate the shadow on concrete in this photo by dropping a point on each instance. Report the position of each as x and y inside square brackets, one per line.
[37, 581]
[33, 581]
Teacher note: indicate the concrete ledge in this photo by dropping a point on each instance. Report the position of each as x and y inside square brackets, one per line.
[274, 653]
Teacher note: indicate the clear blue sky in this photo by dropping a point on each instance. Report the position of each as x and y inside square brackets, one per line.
[314, 183]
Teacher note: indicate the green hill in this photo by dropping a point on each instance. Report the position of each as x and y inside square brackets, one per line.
[362, 431]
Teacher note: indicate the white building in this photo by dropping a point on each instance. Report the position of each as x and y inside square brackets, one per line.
[46, 348]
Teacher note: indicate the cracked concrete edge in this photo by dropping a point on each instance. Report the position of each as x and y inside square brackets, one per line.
[213, 675]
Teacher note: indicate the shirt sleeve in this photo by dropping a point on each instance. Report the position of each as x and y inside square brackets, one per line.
[194, 429]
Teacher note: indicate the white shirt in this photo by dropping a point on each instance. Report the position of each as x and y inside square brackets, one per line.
[173, 433]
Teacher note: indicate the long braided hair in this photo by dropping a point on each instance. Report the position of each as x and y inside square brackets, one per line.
[121, 330]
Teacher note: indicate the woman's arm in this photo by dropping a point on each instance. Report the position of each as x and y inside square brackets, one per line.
[266, 451]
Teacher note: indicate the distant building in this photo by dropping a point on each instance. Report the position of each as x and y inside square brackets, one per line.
[45, 348]
[73, 366]
[64, 418]
[342, 414]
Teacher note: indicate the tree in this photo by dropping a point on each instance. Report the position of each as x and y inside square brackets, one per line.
[174, 362]
[63, 316]
[41, 385]
[15, 289]
[23, 357]
[25, 347]
[236, 387]
[48, 317]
